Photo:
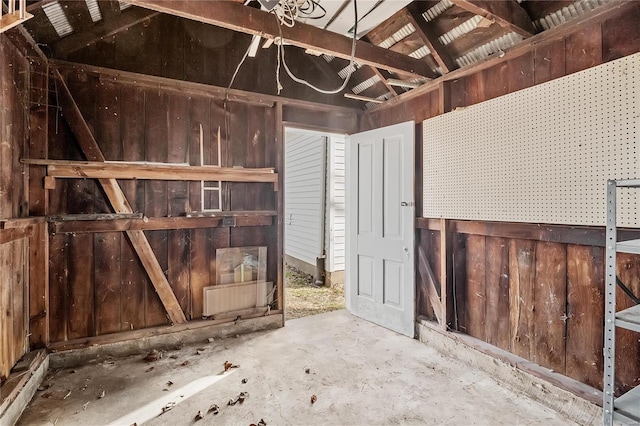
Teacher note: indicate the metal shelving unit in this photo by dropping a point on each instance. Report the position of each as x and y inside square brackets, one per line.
[627, 407]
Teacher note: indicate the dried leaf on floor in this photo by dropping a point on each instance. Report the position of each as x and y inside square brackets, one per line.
[169, 383]
[239, 399]
[199, 416]
[210, 340]
[228, 365]
[244, 381]
[149, 369]
[154, 355]
[199, 351]
[260, 423]
[102, 395]
[173, 356]
[67, 395]
[185, 363]
[84, 406]
[43, 387]
[214, 409]
[170, 405]
[307, 370]
[313, 399]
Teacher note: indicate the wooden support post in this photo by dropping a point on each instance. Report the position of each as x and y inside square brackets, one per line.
[445, 269]
[39, 286]
[116, 197]
[444, 97]
[280, 204]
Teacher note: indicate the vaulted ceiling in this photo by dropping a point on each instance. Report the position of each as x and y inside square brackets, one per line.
[416, 45]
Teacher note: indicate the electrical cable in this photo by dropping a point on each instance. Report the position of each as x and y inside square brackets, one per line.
[352, 66]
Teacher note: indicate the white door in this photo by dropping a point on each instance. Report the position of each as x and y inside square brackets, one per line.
[380, 227]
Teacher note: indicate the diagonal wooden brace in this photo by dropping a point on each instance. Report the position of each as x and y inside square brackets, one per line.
[118, 201]
[426, 274]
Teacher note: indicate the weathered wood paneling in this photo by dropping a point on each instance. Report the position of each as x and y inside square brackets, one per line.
[539, 299]
[585, 312]
[550, 305]
[497, 292]
[627, 342]
[103, 288]
[15, 96]
[475, 286]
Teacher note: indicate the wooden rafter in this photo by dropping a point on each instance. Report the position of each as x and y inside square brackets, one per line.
[506, 13]
[237, 17]
[116, 197]
[384, 81]
[598, 15]
[429, 38]
[105, 28]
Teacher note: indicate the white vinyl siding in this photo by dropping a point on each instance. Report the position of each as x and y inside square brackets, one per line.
[303, 194]
[303, 197]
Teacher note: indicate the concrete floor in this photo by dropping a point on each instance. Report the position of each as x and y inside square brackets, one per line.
[361, 374]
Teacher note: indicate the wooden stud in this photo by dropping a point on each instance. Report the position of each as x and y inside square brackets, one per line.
[445, 264]
[279, 148]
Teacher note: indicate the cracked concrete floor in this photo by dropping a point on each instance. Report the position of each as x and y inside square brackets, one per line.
[361, 374]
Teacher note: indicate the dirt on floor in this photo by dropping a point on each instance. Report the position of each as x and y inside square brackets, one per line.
[304, 298]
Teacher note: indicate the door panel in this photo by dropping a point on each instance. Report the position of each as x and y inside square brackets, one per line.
[380, 267]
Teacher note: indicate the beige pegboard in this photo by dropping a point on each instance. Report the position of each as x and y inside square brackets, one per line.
[540, 155]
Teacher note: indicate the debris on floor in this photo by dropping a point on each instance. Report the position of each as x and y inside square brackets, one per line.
[154, 355]
[170, 405]
[199, 416]
[244, 381]
[228, 366]
[214, 409]
[238, 399]
[313, 399]
[260, 423]
[102, 394]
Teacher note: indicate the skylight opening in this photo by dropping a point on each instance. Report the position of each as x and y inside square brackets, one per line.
[94, 10]
[57, 18]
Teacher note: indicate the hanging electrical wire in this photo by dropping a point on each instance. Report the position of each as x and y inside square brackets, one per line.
[288, 11]
[281, 58]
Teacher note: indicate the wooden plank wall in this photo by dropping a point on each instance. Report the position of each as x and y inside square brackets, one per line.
[538, 299]
[97, 284]
[541, 300]
[14, 262]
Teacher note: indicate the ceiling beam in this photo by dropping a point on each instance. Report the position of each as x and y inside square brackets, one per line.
[506, 13]
[107, 27]
[237, 17]
[429, 38]
[607, 11]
